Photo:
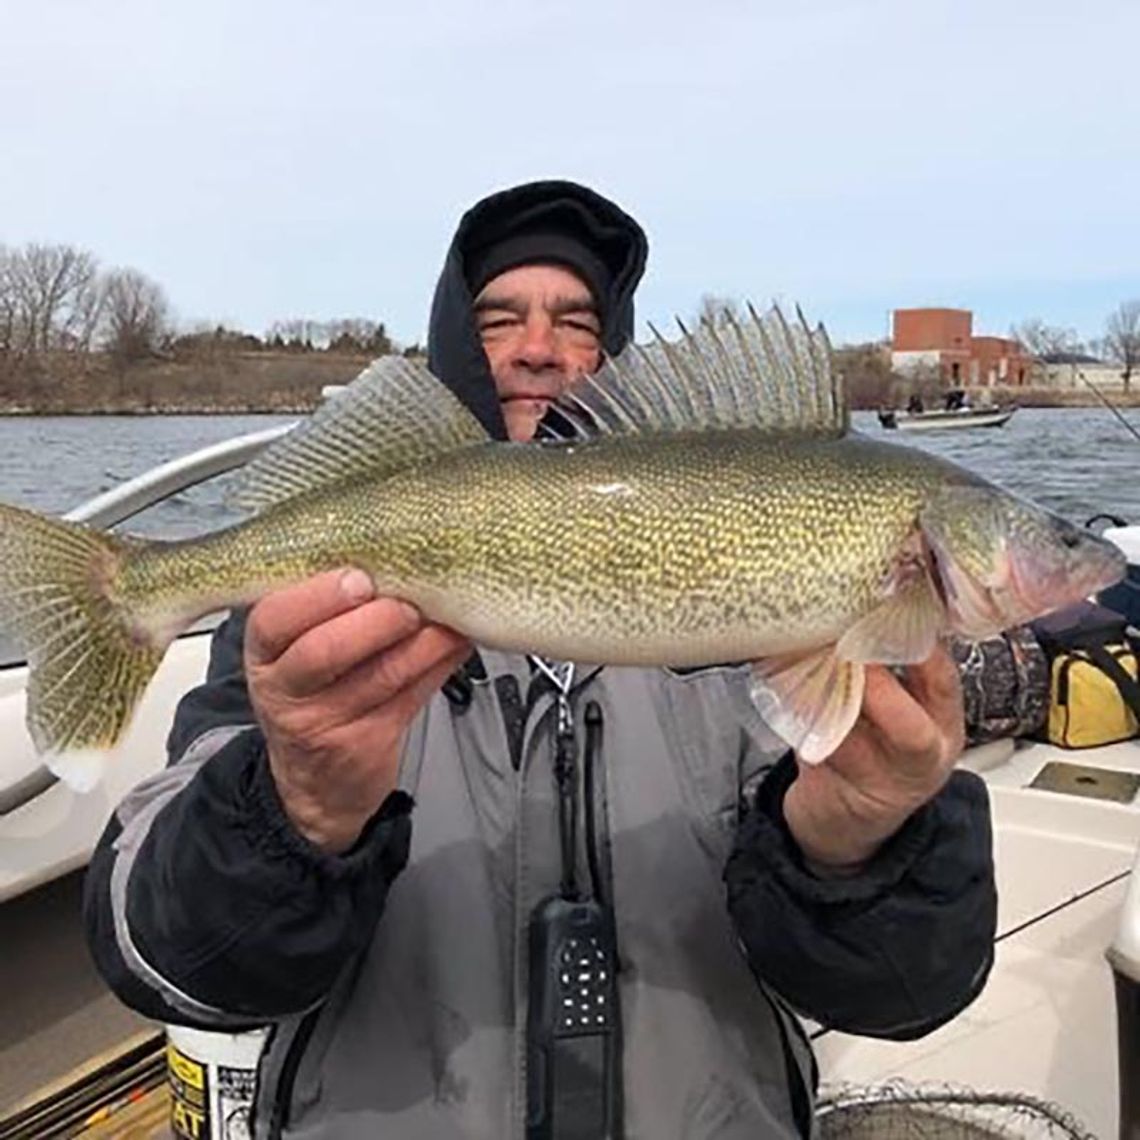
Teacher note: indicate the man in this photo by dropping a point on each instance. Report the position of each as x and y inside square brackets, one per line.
[278, 872]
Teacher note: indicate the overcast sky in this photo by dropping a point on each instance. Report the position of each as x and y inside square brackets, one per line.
[264, 160]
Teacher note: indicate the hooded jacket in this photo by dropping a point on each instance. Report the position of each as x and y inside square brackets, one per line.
[394, 977]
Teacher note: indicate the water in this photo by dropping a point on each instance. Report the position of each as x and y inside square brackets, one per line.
[54, 463]
[1077, 461]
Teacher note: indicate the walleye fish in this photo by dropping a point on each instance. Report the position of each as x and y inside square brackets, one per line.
[710, 505]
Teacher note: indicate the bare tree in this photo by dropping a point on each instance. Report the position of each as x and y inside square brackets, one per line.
[59, 295]
[1122, 339]
[346, 334]
[297, 333]
[51, 299]
[359, 335]
[7, 305]
[136, 315]
[1046, 340]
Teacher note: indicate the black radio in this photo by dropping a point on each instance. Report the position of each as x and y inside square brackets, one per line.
[573, 1024]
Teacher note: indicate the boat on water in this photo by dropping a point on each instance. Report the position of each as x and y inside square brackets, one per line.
[1067, 829]
[943, 420]
[955, 414]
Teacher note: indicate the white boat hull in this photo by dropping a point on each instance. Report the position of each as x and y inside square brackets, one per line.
[948, 421]
[56, 830]
[46, 827]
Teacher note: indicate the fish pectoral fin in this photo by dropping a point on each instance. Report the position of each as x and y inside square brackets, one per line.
[903, 630]
[810, 699]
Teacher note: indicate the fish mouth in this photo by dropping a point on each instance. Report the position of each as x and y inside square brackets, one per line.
[1041, 590]
[1024, 586]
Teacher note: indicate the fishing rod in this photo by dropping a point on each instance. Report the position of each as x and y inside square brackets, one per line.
[1126, 582]
[1110, 406]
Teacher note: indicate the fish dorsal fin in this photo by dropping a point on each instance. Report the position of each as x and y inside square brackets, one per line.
[393, 415]
[731, 371]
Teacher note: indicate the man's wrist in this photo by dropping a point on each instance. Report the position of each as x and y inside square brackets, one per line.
[331, 828]
[835, 837]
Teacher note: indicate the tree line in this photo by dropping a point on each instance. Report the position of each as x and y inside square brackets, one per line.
[59, 301]
[1119, 344]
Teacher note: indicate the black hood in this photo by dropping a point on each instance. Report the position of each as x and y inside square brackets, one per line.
[455, 354]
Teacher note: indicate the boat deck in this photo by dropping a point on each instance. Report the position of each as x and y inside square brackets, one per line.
[1045, 1023]
[58, 1013]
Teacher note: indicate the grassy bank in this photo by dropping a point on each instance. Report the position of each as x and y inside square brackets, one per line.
[290, 383]
[225, 383]
[1082, 397]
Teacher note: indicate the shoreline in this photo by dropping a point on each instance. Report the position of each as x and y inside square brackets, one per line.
[239, 382]
[301, 403]
[24, 412]
[142, 413]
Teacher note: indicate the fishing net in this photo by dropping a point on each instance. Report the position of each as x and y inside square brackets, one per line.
[898, 1111]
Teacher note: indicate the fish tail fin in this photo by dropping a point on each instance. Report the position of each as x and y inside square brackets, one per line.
[89, 656]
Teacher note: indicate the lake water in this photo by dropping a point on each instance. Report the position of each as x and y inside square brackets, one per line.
[1077, 461]
[53, 463]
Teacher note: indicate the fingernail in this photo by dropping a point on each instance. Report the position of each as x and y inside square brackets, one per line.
[356, 586]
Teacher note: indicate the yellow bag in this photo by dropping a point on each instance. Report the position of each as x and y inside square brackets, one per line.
[1094, 697]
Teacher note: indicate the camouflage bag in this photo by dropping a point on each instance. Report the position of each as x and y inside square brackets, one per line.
[1005, 684]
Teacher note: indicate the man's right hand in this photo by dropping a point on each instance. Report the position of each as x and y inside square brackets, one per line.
[336, 676]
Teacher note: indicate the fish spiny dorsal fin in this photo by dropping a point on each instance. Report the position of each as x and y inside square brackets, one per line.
[674, 357]
[706, 375]
[748, 352]
[730, 371]
[795, 402]
[393, 415]
[676, 396]
[821, 357]
[738, 386]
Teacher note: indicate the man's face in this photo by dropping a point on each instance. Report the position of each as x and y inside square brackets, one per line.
[540, 330]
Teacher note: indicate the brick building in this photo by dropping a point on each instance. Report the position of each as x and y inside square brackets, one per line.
[941, 342]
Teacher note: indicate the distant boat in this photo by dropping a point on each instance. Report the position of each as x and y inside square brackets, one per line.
[943, 419]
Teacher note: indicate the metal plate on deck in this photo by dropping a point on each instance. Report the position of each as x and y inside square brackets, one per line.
[1084, 780]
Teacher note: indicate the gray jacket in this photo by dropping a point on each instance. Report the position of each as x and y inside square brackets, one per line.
[206, 909]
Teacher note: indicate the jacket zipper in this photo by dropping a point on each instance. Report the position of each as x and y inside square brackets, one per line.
[283, 1094]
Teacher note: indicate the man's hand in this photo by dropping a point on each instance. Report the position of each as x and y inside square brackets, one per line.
[336, 676]
[897, 757]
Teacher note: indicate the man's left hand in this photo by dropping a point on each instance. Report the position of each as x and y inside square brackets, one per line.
[897, 757]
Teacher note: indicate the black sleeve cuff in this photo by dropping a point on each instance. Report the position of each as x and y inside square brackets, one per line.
[767, 829]
[892, 951]
[279, 839]
[234, 907]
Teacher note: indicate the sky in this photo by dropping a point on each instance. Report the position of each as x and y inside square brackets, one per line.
[267, 160]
